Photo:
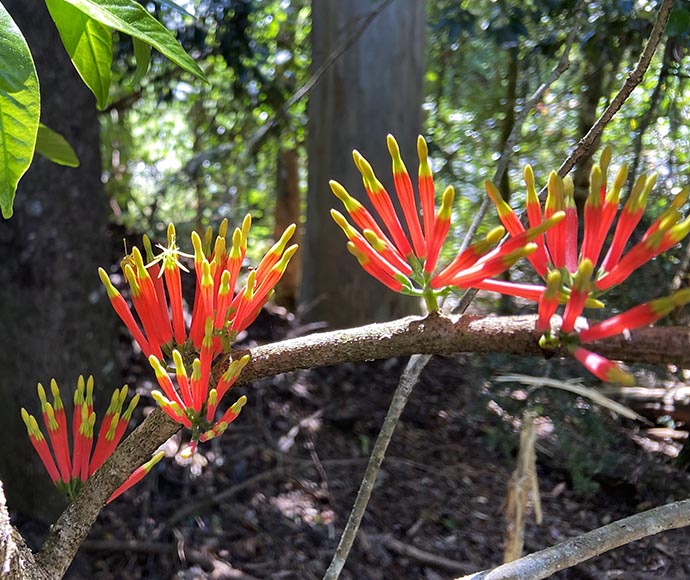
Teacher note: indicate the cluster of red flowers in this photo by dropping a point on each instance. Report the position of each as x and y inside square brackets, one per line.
[568, 265]
[218, 315]
[70, 470]
[405, 263]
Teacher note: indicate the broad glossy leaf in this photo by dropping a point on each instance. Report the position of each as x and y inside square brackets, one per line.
[55, 147]
[142, 54]
[130, 17]
[89, 45]
[20, 109]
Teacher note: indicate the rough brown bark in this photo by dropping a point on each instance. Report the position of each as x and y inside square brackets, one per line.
[54, 316]
[374, 88]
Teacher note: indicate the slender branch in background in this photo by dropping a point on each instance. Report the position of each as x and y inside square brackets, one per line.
[408, 380]
[502, 165]
[633, 79]
[648, 116]
[348, 39]
[546, 562]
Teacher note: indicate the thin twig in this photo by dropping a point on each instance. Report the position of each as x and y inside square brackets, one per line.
[408, 380]
[420, 555]
[633, 79]
[347, 41]
[567, 554]
[502, 165]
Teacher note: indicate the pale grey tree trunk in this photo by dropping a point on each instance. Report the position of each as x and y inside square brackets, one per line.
[376, 87]
[55, 319]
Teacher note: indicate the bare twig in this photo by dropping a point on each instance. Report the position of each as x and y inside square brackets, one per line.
[502, 165]
[576, 550]
[347, 41]
[633, 79]
[420, 555]
[408, 380]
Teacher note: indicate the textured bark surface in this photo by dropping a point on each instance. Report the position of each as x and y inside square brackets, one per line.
[374, 88]
[54, 316]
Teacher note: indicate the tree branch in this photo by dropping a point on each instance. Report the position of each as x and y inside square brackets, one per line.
[435, 334]
[546, 562]
[633, 79]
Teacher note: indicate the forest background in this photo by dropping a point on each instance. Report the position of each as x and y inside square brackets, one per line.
[293, 88]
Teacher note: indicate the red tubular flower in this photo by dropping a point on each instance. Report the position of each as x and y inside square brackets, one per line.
[137, 476]
[407, 265]
[642, 315]
[582, 285]
[193, 404]
[603, 368]
[403, 188]
[548, 301]
[70, 473]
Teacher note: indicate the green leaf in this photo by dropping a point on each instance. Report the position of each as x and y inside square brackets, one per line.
[55, 147]
[20, 109]
[142, 54]
[132, 18]
[89, 45]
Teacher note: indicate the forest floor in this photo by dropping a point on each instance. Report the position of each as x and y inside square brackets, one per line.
[269, 498]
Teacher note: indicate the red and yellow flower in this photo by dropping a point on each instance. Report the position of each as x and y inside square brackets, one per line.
[575, 273]
[69, 470]
[403, 253]
[218, 315]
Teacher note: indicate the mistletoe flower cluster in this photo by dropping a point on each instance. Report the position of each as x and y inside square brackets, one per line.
[69, 471]
[576, 269]
[219, 314]
[405, 260]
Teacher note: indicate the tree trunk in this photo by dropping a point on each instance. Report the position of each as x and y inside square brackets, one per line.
[288, 211]
[55, 317]
[376, 87]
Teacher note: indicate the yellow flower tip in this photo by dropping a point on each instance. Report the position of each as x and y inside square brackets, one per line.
[377, 243]
[362, 258]
[569, 191]
[110, 290]
[171, 234]
[41, 394]
[555, 189]
[212, 397]
[156, 365]
[198, 247]
[680, 198]
[357, 158]
[493, 192]
[495, 235]
[286, 257]
[363, 166]
[615, 374]
[681, 297]
[596, 179]
[393, 147]
[553, 284]
[422, 148]
[288, 233]
[528, 176]
[151, 463]
[246, 225]
[206, 277]
[605, 158]
[621, 177]
[237, 406]
[160, 398]
[26, 418]
[223, 228]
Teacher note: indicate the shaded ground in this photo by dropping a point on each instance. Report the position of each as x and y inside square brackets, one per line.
[269, 499]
